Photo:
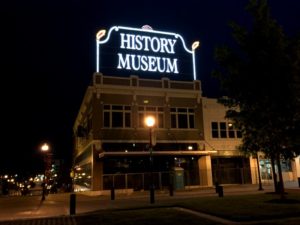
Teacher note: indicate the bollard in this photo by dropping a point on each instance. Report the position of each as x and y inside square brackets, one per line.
[112, 193]
[43, 191]
[171, 189]
[217, 186]
[220, 191]
[72, 204]
[152, 200]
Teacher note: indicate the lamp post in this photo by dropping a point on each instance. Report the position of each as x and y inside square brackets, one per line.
[47, 162]
[150, 121]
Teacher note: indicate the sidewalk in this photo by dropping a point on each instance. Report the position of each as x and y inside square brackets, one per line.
[56, 207]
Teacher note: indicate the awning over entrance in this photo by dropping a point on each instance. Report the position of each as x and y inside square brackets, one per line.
[157, 153]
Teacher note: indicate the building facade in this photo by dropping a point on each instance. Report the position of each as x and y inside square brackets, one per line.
[191, 143]
[191, 137]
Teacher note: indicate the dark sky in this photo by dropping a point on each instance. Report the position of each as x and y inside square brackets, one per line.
[48, 58]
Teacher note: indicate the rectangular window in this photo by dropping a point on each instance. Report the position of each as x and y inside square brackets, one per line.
[182, 118]
[127, 119]
[117, 116]
[182, 121]
[223, 131]
[160, 120]
[191, 121]
[231, 131]
[214, 129]
[117, 119]
[106, 119]
[156, 112]
[173, 121]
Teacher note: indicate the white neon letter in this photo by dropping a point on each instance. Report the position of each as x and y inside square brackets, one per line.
[127, 42]
[159, 66]
[138, 42]
[124, 63]
[172, 68]
[144, 65]
[146, 39]
[155, 39]
[172, 43]
[133, 62]
[151, 61]
[164, 45]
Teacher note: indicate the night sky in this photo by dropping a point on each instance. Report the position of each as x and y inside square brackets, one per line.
[48, 58]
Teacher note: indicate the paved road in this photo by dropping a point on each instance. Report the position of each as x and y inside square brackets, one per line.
[57, 206]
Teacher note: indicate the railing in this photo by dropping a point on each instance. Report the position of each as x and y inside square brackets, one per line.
[136, 181]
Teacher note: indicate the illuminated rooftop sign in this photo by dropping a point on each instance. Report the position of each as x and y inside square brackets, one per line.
[144, 51]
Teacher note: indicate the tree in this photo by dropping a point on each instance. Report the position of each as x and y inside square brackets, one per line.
[261, 81]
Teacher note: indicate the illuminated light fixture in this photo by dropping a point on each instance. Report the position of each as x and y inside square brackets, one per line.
[144, 29]
[195, 45]
[150, 121]
[190, 147]
[45, 147]
[78, 168]
[100, 34]
[126, 150]
[230, 124]
[146, 101]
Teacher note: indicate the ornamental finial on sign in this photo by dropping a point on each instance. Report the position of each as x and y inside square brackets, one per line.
[147, 27]
[195, 45]
[100, 34]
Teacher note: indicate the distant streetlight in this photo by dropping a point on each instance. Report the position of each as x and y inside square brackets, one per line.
[45, 147]
[150, 121]
[47, 162]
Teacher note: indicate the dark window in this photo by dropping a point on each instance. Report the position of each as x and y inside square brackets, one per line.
[182, 118]
[117, 107]
[106, 119]
[127, 119]
[182, 121]
[117, 116]
[117, 119]
[191, 121]
[141, 120]
[160, 120]
[231, 132]
[173, 121]
[214, 130]
[223, 132]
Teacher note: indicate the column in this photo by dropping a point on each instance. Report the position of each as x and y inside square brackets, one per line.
[205, 171]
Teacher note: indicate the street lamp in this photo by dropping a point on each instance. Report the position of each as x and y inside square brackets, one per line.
[150, 121]
[47, 162]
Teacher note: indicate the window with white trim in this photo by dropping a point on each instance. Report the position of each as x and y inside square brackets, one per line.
[224, 130]
[182, 118]
[156, 112]
[117, 116]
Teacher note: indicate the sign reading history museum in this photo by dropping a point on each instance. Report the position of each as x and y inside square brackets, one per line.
[145, 52]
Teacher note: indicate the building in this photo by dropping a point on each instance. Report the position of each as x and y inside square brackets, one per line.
[191, 143]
